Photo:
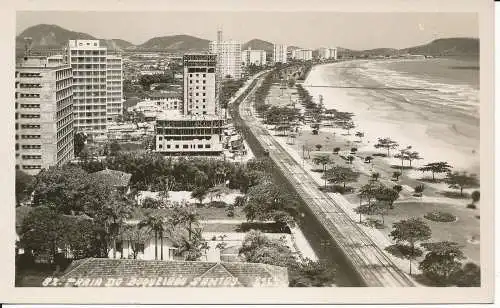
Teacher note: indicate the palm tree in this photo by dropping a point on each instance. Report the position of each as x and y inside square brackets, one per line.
[155, 224]
[185, 216]
[114, 211]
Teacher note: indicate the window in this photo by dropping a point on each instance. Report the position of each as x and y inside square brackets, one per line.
[185, 146]
[160, 146]
[119, 247]
[207, 146]
[204, 81]
[200, 146]
[168, 146]
[176, 146]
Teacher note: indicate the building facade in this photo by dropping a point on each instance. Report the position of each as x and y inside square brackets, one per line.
[228, 58]
[196, 135]
[302, 54]
[89, 63]
[114, 87]
[199, 84]
[279, 53]
[255, 57]
[44, 113]
[327, 53]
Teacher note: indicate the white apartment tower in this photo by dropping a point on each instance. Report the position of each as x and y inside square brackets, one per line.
[302, 54]
[199, 84]
[327, 53]
[255, 57]
[44, 113]
[279, 53]
[91, 66]
[114, 87]
[228, 57]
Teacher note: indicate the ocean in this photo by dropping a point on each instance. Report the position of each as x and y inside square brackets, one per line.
[437, 113]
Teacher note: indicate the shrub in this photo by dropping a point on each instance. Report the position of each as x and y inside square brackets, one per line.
[150, 203]
[397, 188]
[336, 150]
[380, 154]
[468, 276]
[217, 204]
[337, 189]
[471, 206]
[475, 196]
[455, 194]
[354, 150]
[440, 216]
[401, 251]
[230, 211]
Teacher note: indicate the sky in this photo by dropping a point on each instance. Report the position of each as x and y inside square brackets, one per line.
[304, 29]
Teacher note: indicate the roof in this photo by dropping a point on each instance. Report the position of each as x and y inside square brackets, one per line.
[113, 177]
[98, 272]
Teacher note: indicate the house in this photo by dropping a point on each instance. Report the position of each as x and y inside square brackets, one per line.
[118, 179]
[93, 272]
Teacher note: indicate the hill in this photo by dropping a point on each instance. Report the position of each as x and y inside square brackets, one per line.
[258, 44]
[177, 43]
[447, 47]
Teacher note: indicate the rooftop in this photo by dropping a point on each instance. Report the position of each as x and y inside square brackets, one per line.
[177, 116]
[93, 272]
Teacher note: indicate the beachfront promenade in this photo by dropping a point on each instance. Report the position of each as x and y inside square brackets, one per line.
[371, 264]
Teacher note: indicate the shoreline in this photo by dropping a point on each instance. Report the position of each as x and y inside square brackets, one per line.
[379, 124]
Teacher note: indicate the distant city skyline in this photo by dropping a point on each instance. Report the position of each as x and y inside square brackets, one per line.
[304, 29]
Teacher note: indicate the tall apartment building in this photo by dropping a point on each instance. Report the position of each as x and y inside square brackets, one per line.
[327, 53]
[199, 84]
[197, 130]
[44, 113]
[114, 87]
[302, 54]
[279, 53]
[228, 58]
[255, 57]
[91, 66]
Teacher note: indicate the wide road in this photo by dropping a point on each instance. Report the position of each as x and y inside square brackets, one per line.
[371, 264]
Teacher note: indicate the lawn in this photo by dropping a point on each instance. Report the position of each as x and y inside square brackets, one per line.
[206, 213]
[460, 231]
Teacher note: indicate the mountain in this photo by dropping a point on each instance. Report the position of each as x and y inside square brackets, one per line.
[258, 44]
[176, 43]
[54, 37]
[49, 36]
[458, 46]
[439, 47]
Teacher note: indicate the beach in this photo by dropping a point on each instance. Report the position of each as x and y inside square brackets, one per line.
[441, 123]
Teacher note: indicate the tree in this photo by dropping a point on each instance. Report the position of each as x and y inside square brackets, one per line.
[375, 176]
[187, 217]
[398, 188]
[336, 150]
[350, 159]
[322, 160]
[419, 189]
[340, 174]
[192, 247]
[413, 155]
[388, 195]
[113, 148]
[412, 230]
[43, 232]
[475, 196]
[135, 236]
[369, 191]
[258, 248]
[468, 276]
[461, 180]
[360, 135]
[379, 208]
[318, 147]
[396, 175]
[441, 262]
[151, 203]
[79, 143]
[24, 186]
[154, 224]
[266, 201]
[199, 193]
[239, 201]
[386, 143]
[348, 126]
[309, 273]
[402, 155]
[437, 167]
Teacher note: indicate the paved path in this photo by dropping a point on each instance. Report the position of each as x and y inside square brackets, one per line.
[371, 263]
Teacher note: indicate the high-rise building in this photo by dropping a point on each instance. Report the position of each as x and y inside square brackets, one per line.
[327, 53]
[44, 113]
[279, 53]
[89, 63]
[228, 58]
[255, 57]
[302, 54]
[114, 87]
[197, 129]
[199, 84]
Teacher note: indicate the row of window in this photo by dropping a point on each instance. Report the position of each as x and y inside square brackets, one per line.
[28, 95]
[28, 75]
[28, 85]
[187, 146]
[30, 105]
[29, 146]
[88, 52]
[31, 156]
